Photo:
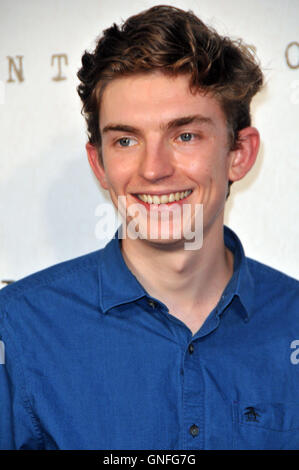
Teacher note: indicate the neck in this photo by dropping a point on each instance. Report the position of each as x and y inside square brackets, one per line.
[189, 282]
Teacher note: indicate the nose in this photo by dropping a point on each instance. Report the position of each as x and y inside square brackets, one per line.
[156, 162]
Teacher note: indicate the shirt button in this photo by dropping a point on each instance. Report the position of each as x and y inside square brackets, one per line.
[194, 430]
[151, 303]
[191, 348]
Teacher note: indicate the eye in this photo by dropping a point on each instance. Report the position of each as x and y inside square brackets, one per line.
[186, 137]
[126, 142]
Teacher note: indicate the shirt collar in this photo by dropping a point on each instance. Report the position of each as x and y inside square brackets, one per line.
[118, 285]
[241, 284]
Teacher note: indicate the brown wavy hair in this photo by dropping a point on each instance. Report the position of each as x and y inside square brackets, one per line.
[174, 41]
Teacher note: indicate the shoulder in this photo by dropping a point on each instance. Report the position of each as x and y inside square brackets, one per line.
[269, 276]
[64, 275]
[273, 290]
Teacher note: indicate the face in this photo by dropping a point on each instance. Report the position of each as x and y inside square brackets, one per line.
[162, 144]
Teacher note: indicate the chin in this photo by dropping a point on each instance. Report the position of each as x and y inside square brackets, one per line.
[169, 243]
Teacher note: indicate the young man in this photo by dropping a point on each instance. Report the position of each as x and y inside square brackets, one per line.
[151, 343]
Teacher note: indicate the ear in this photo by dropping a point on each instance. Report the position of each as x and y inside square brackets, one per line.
[96, 164]
[243, 158]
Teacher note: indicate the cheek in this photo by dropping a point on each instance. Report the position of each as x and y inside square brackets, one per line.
[204, 171]
[218, 166]
[117, 174]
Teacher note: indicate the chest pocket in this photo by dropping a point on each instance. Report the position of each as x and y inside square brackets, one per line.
[265, 426]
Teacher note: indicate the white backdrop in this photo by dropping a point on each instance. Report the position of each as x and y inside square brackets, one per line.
[48, 195]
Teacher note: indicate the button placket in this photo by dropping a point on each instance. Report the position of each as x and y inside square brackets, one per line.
[193, 400]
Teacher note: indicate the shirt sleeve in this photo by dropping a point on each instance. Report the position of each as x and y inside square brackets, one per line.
[17, 427]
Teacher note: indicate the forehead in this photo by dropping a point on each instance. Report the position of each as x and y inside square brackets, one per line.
[153, 99]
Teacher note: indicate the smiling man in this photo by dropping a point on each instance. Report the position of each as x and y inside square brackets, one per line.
[151, 343]
[179, 149]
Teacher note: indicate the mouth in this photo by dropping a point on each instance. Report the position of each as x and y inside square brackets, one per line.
[166, 198]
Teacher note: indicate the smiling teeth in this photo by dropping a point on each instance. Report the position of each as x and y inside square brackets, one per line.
[164, 198]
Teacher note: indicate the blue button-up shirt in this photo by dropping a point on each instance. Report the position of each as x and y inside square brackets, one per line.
[89, 360]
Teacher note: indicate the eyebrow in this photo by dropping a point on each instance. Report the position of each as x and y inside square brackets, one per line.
[173, 124]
